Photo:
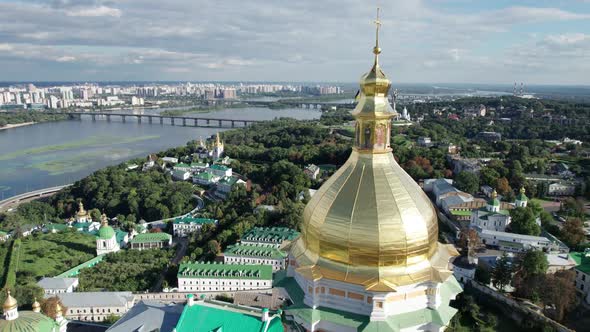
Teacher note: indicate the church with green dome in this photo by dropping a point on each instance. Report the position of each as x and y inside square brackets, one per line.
[30, 321]
[106, 239]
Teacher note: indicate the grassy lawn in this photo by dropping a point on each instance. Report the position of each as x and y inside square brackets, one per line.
[51, 254]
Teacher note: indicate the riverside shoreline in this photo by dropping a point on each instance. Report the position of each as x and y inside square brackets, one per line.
[16, 125]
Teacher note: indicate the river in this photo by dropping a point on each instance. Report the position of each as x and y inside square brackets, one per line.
[55, 153]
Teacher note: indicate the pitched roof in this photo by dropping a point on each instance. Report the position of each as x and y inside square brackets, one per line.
[219, 167]
[582, 262]
[149, 316]
[224, 271]
[215, 317]
[76, 269]
[192, 220]
[56, 283]
[270, 234]
[95, 299]
[151, 237]
[254, 251]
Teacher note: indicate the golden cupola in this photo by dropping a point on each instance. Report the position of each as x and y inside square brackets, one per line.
[371, 224]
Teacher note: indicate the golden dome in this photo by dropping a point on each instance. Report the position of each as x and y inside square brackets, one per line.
[36, 306]
[10, 302]
[370, 223]
[81, 212]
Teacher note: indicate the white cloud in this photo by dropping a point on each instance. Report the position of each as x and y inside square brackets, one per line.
[232, 39]
[6, 47]
[65, 58]
[567, 39]
[94, 12]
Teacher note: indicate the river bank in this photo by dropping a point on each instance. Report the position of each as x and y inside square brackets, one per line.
[16, 125]
[54, 153]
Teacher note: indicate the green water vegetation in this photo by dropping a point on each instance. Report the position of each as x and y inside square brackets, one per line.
[90, 142]
[30, 116]
[129, 270]
[78, 162]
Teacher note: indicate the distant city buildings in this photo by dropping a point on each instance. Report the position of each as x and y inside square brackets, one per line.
[90, 95]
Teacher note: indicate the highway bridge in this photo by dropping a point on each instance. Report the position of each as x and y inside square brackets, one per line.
[174, 120]
[14, 200]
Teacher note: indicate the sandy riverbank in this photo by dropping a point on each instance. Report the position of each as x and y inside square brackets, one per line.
[8, 126]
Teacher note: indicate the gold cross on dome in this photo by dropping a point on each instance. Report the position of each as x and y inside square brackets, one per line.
[378, 25]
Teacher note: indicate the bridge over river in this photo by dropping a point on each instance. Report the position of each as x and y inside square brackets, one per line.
[174, 120]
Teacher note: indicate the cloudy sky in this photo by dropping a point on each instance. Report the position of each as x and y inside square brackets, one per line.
[463, 41]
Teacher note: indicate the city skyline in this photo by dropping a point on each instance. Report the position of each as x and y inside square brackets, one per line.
[537, 42]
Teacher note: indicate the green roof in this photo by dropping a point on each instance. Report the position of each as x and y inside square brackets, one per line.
[219, 167]
[181, 165]
[106, 232]
[29, 321]
[120, 235]
[254, 251]
[198, 164]
[209, 317]
[151, 237]
[81, 225]
[57, 227]
[191, 220]
[440, 316]
[502, 212]
[582, 262]
[205, 176]
[229, 180]
[76, 269]
[224, 271]
[494, 202]
[521, 197]
[460, 213]
[270, 234]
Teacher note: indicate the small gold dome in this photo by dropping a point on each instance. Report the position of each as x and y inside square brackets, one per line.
[81, 212]
[10, 302]
[36, 306]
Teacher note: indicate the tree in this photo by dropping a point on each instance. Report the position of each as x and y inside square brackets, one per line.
[503, 187]
[468, 239]
[572, 232]
[559, 291]
[111, 319]
[533, 262]
[95, 215]
[489, 176]
[483, 275]
[524, 221]
[467, 182]
[502, 273]
[573, 207]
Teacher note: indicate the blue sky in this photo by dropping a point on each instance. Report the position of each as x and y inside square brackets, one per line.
[462, 41]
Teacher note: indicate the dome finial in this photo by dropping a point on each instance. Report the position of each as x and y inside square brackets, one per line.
[36, 305]
[377, 49]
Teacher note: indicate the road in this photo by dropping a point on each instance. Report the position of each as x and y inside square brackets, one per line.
[181, 245]
[12, 202]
